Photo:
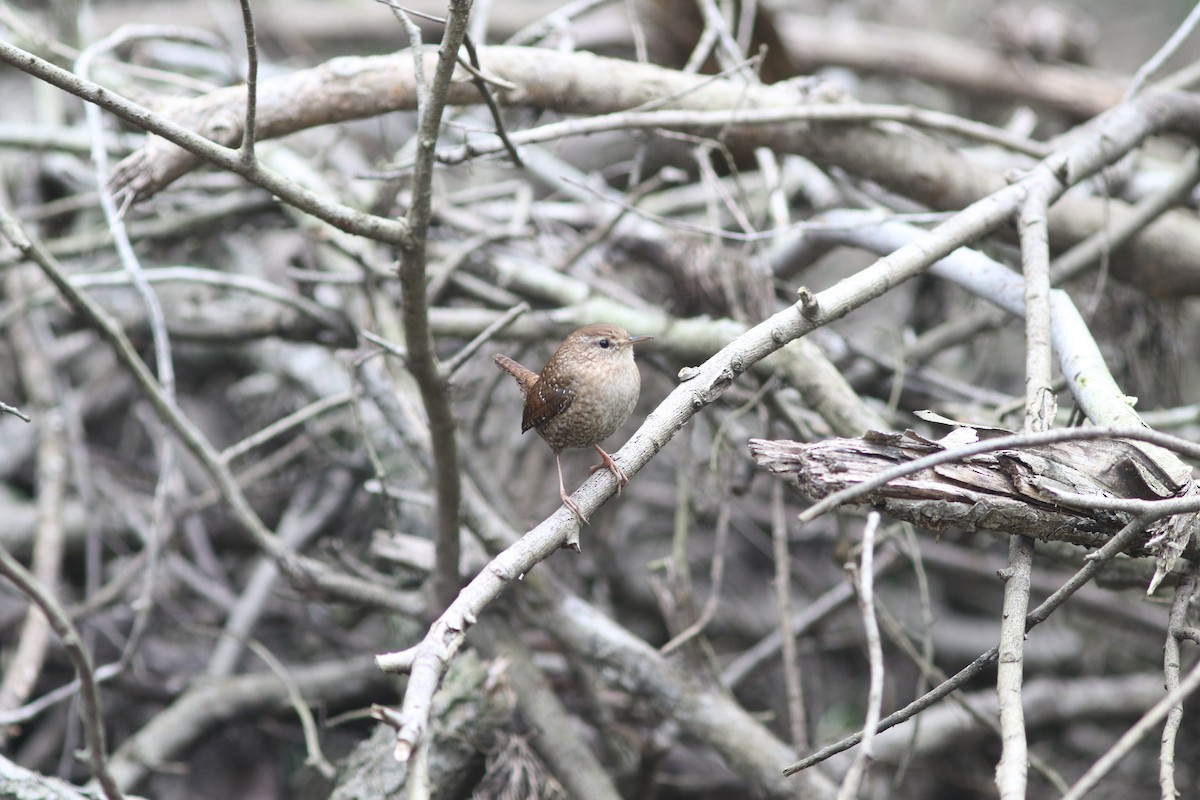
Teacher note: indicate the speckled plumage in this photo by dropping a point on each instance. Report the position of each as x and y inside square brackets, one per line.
[586, 391]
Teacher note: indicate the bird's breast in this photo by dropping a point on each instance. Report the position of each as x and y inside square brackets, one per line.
[596, 410]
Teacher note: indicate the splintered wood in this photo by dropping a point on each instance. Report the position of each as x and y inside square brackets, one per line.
[1029, 490]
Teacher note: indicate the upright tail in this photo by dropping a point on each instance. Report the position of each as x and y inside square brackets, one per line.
[525, 378]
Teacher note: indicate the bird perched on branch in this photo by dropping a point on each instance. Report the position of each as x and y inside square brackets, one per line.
[585, 392]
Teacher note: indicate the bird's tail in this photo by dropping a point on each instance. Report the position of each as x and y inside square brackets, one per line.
[525, 378]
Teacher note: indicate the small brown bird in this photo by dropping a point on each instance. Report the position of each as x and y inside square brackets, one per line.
[585, 392]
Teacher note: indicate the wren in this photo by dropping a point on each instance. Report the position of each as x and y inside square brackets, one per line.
[585, 392]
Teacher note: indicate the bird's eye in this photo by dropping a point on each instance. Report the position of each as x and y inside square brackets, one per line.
[604, 343]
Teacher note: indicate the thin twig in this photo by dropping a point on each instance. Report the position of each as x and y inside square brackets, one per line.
[32, 709]
[930, 672]
[327, 317]
[962, 327]
[813, 614]
[312, 738]
[477, 71]
[603, 231]
[471, 64]
[305, 571]
[32, 341]
[715, 578]
[481, 82]
[453, 364]
[1096, 562]
[5, 408]
[1171, 658]
[339, 215]
[249, 131]
[89, 693]
[357, 372]
[864, 582]
[792, 679]
[720, 119]
[163, 358]
[1136, 732]
[311, 508]
[1188, 633]
[285, 424]
[559, 18]
[386, 344]
[1147, 70]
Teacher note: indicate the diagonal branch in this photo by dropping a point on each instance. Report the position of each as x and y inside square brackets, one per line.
[89, 691]
[427, 661]
[1096, 562]
[342, 216]
[302, 571]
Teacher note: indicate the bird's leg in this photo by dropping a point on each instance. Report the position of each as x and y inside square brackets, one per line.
[562, 492]
[613, 467]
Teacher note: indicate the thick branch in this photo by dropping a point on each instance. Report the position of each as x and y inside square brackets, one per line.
[584, 84]
[422, 361]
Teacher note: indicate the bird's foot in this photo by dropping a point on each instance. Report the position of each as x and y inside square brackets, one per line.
[571, 504]
[612, 466]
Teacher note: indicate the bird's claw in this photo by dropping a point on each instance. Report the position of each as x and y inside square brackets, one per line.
[612, 466]
[571, 504]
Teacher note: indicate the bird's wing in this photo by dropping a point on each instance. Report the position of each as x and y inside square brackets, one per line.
[544, 402]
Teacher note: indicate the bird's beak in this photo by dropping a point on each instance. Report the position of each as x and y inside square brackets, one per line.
[639, 339]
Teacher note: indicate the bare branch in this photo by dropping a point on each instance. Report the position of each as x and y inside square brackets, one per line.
[89, 693]
[422, 362]
[1184, 594]
[342, 216]
[864, 582]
